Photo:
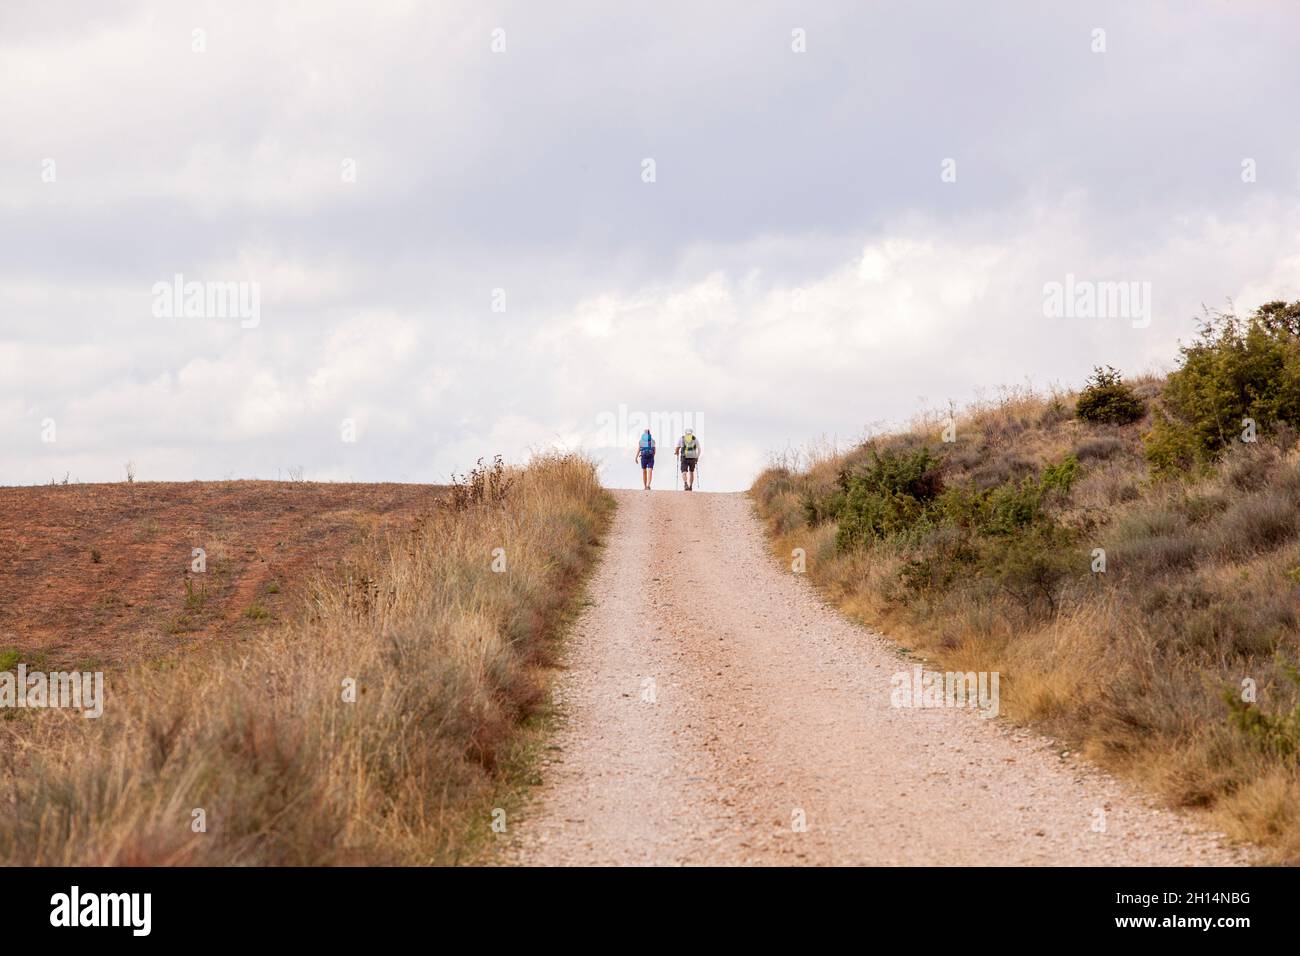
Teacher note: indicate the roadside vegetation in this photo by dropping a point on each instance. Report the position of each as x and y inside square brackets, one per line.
[376, 727]
[1127, 557]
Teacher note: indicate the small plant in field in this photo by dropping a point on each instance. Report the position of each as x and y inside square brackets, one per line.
[130, 472]
[195, 599]
[1278, 734]
[95, 556]
[181, 624]
[485, 484]
[273, 588]
[1055, 412]
[1031, 567]
[1106, 400]
[257, 612]
[9, 660]
[1061, 476]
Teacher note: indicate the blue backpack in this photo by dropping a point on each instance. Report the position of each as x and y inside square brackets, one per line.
[647, 444]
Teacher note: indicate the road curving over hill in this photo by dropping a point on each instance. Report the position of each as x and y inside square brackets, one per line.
[713, 710]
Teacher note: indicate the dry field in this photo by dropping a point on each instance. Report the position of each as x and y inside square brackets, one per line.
[377, 723]
[101, 573]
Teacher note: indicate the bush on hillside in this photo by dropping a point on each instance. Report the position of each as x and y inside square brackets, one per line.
[1106, 400]
[1004, 536]
[888, 497]
[1170, 446]
[1276, 733]
[1031, 567]
[1235, 373]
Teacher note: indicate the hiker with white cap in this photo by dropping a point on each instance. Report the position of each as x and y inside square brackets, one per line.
[688, 451]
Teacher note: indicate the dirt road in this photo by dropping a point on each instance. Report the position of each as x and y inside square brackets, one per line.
[715, 711]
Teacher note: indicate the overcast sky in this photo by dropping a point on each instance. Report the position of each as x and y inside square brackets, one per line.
[459, 249]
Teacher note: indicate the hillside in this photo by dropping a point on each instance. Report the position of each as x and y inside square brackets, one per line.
[1127, 557]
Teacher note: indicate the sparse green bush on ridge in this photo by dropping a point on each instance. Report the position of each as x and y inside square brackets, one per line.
[1106, 400]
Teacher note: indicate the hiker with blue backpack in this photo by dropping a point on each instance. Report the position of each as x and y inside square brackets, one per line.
[688, 450]
[645, 454]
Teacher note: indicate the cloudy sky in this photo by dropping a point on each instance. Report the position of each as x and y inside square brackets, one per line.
[477, 228]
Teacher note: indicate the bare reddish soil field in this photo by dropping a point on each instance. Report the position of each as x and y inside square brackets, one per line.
[101, 573]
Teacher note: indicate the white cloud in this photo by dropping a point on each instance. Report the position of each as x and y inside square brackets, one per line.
[797, 270]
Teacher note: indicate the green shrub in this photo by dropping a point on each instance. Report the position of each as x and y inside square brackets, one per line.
[1235, 370]
[1278, 734]
[820, 508]
[1003, 537]
[890, 496]
[1013, 507]
[1060, 478]
[1170, 447]
[1031, 566]
[1106, 400]
[944, 557]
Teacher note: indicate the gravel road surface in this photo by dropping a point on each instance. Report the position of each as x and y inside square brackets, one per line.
[714, 710]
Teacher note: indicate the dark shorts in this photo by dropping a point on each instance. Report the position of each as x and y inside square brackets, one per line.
[688, 464]
[647, 459]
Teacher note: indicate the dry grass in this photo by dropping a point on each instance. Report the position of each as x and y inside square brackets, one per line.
[444, 654]
[1201, 592]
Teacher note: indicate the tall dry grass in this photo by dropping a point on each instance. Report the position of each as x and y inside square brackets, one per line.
[1133, 666]
[445, 656]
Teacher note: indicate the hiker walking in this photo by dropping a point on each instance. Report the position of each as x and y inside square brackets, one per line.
[645, 454]
[688, 451]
